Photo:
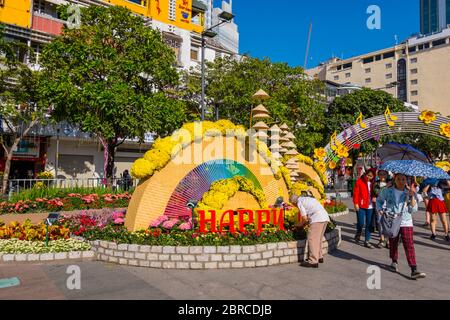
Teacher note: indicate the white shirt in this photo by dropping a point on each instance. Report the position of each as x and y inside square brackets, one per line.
[370, 196]
[311, 207]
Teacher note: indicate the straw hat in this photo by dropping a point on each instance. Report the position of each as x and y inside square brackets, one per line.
[260, 95]
[261, 126]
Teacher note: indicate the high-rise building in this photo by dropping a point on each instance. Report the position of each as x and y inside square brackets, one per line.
[434, 15]
[227, 34]
[411, 71]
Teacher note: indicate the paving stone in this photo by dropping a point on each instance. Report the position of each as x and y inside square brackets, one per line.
[274, 261]
[267, 254]
[133, 262]
[128, 254]
[196, 250]
[21, 257]
[123, 247]
[156, 249]
[196, 265]
[112, 245]
[243, 257]
[152, 257]
[123, 261]
[216, 257]
[223, 249]
[229, 257]
[224, 265]
[203, 257]
[155, 264]
[143, 263]
[46, 256]
[262, 263]
[113, 259]
[168, 249]
[209, 249]
[164, 257]
[176, 257]
[182, 265]
[278, 253]
[255, 256]
[184, 250]
[237, 264]
[61, 255]
[249, 249]
[133, 247]
[188, 257]
[235, 249]
[118, 253]
[261, 247]
[211, 265]
[272, 246]
[168, 265]
[144, 249]
[140, 256]
[282, 245]
[250, 264]
[284, 260]
[33, 257]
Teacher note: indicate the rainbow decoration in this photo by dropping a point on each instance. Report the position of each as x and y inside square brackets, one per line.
[199, 181]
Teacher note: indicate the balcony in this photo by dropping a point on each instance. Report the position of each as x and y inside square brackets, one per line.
[46, 24]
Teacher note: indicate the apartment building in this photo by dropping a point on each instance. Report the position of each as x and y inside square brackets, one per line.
[36, 22]
[415, 71]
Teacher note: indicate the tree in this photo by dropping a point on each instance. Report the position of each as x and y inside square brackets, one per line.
[21, 106]
[110, 77]
[294, 99]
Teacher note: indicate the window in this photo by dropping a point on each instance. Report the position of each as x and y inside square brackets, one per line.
[388, 65]
[45, 8]
[439, 42]
[414, 93]
[336, 77]
[389, 76]
[172, 9]
[339, 68]
[414, 71]
[194, 54]
[368, 60]
[348, 75]
[368, 70]
[37, 49]
[378, 57]
[402, 77]
[348, 65]
[412, 49]
[368, 80]
[39, 6]
[388, 55]
[413, 60]
[414, 82]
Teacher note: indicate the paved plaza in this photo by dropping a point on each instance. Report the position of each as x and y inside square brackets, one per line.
[343, 276]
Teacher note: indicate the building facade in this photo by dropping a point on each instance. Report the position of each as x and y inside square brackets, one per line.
[434, 15]
[79, 155]
[413, 71]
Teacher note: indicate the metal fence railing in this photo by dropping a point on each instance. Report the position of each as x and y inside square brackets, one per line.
[16, 186]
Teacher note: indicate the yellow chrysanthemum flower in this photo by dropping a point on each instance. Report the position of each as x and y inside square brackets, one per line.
[428, 117]
[142, 169]
[320, 153]
[445, 130]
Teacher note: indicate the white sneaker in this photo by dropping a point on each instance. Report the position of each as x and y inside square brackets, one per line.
[394, 266]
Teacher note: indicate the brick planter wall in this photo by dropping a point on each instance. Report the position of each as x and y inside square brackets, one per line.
[209, 257]
[46, 257]
[339, 214]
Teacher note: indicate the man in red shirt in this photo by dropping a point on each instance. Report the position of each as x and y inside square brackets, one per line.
[362, 199]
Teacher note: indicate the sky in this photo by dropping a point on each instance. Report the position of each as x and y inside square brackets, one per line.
[278, 29]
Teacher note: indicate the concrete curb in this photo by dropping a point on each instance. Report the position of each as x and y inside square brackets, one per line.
[46, 257]
[339, 214]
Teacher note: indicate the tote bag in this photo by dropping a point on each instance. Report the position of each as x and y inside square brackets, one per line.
[391, 222]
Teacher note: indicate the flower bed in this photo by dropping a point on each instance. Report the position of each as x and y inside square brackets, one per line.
[73, 201]
[333, 207]
[61, 245]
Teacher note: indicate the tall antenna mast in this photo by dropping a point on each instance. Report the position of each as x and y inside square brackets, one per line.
[307, 46]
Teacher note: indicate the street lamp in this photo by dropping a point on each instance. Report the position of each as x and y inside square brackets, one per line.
[209, 33]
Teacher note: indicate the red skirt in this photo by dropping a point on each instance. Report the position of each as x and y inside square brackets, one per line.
[436, 206]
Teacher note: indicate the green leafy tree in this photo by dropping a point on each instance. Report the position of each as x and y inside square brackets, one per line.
[111, 78]
[295, 100]
[21, 106]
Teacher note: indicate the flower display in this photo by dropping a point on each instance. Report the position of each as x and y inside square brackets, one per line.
[445, 130]
[332, 165]
[342, 151]
[286, 176]
[45, 175]
[28, 231]
[320, 166]
[320, 153]
[70, 202]
[428, 117]
[61, 245]
[223, 190]
[306, 160]
[166, 148]
[444, 165]
[142, 168]
[298, 188]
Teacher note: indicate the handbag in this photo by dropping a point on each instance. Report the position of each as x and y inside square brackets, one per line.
[391, 223]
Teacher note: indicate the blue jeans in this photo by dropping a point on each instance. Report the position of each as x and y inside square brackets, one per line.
[364, 217]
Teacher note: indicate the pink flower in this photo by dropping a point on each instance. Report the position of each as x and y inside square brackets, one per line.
[186, 226]
[119, 221]
[158, 221]
[117, 215]
[170, 224]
